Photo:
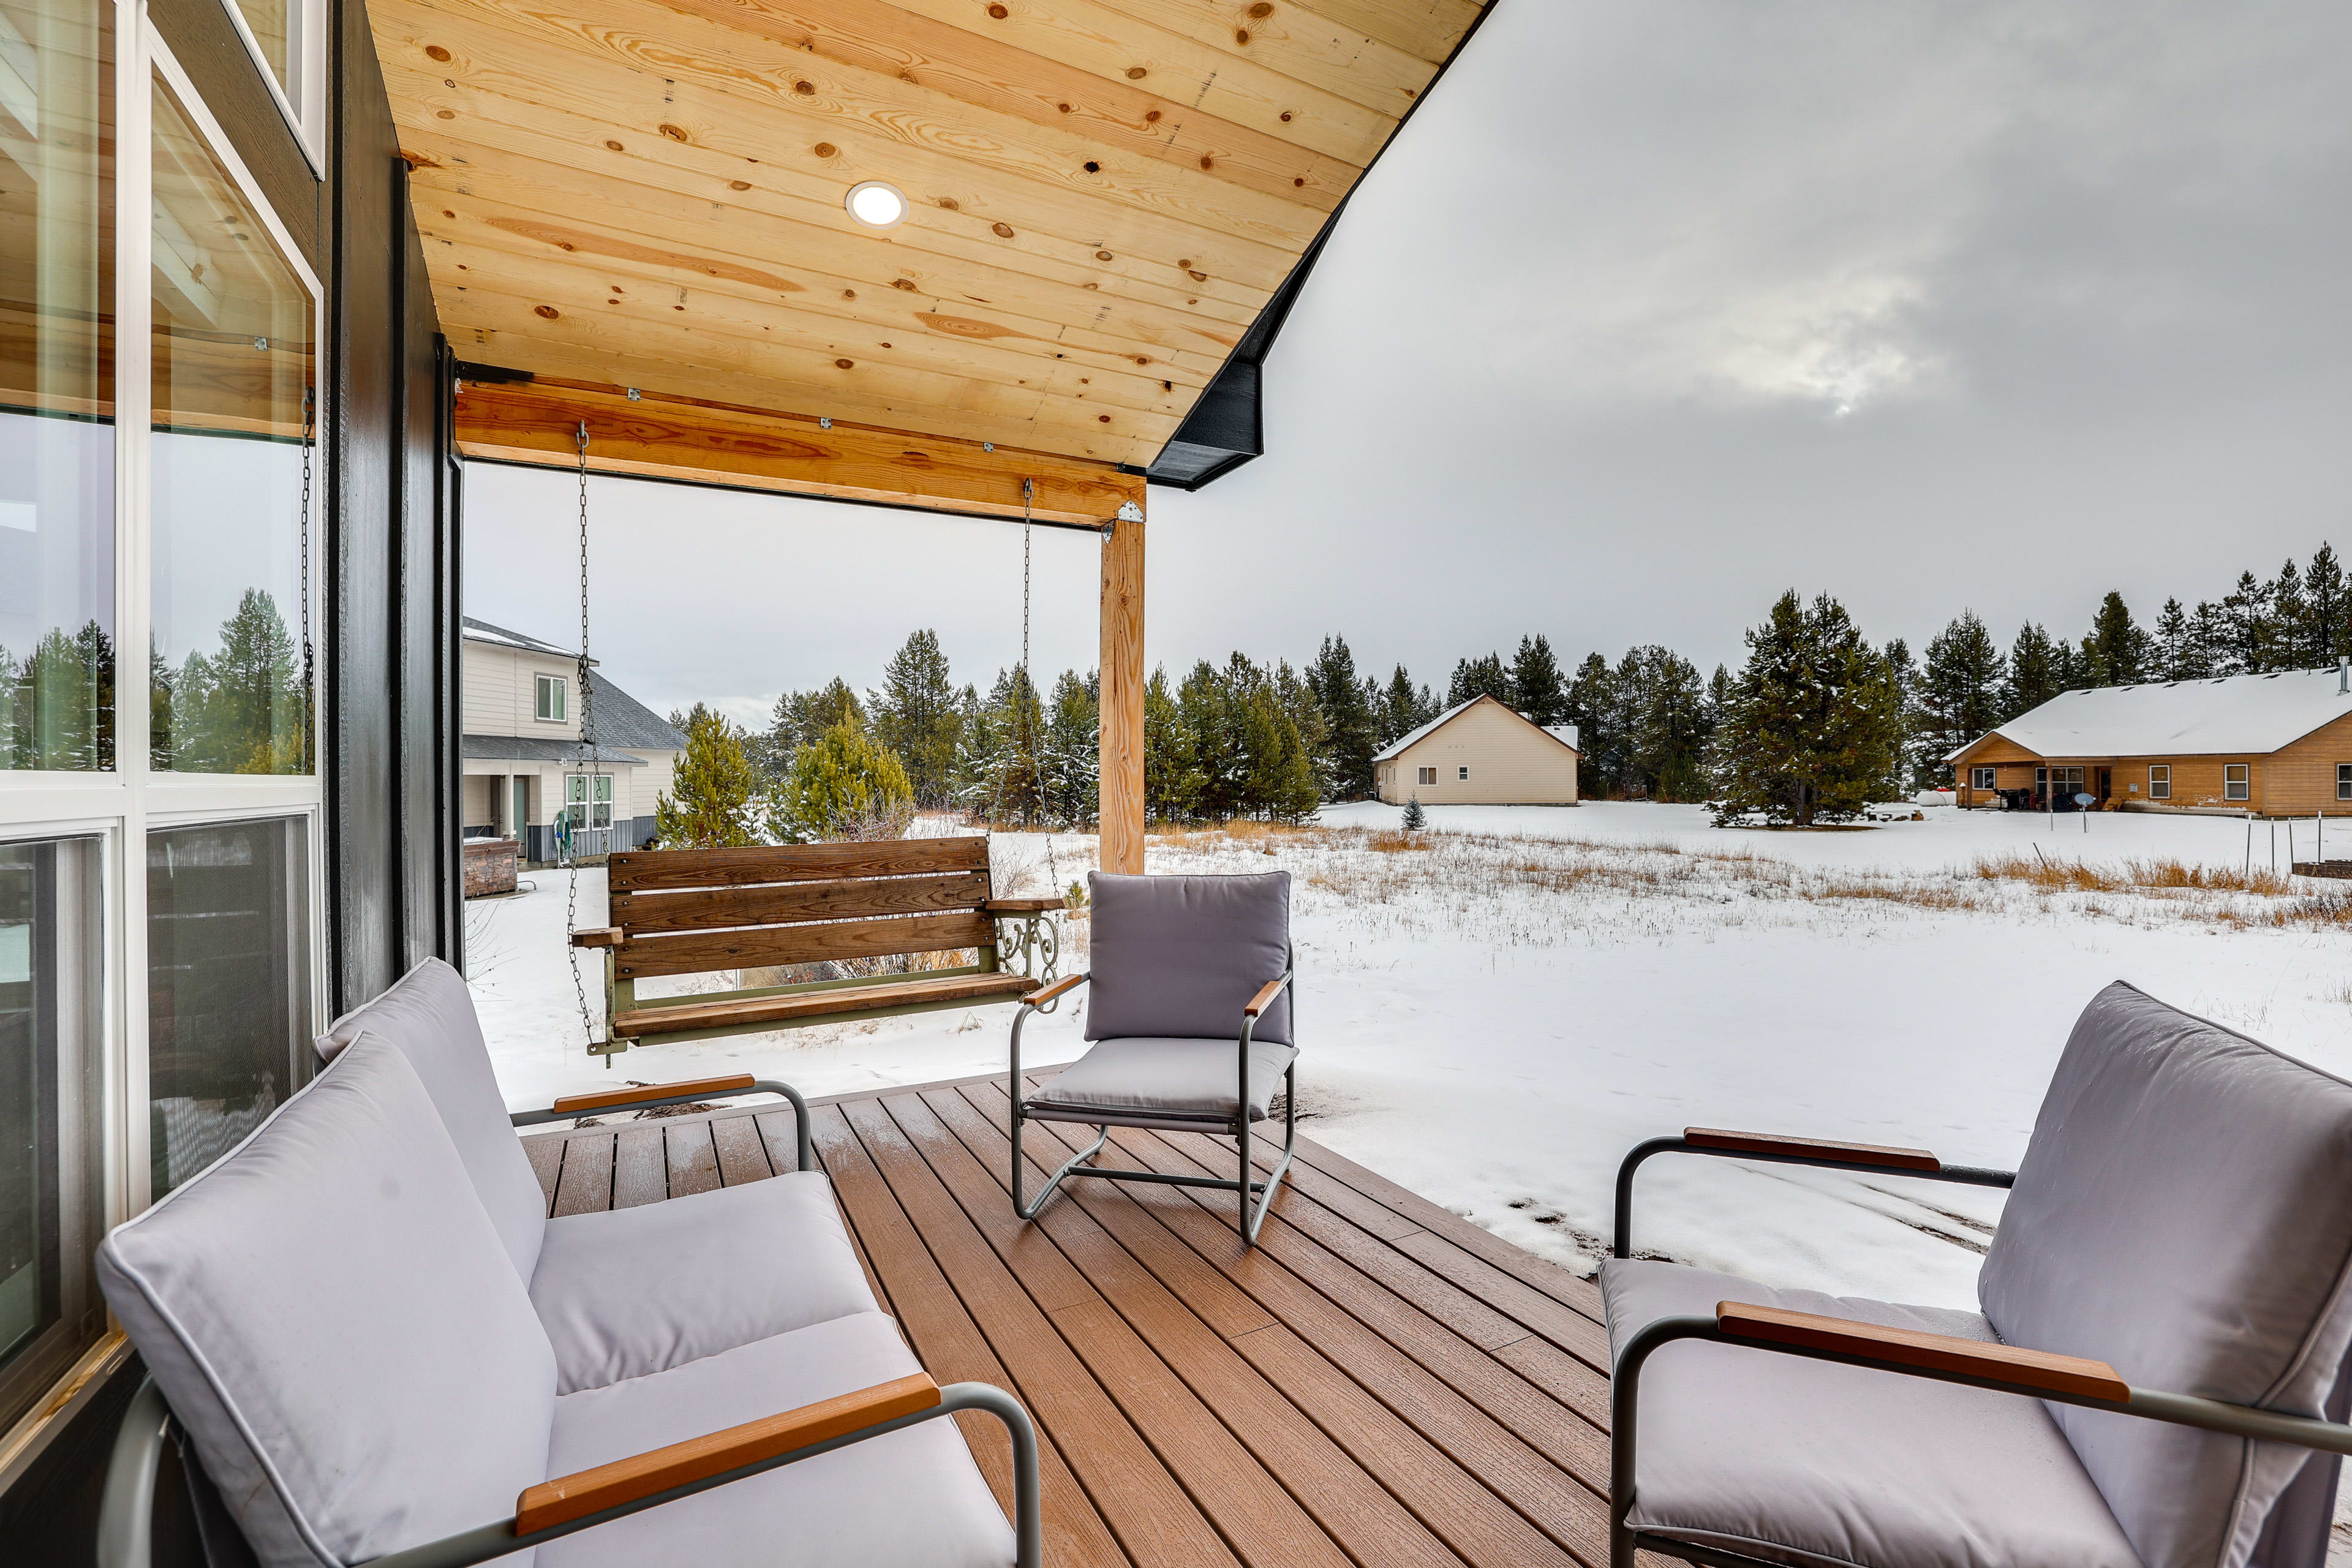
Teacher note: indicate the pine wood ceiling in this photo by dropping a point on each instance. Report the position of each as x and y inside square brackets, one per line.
[1104, 193]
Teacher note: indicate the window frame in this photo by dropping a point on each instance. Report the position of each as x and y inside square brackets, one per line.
[2159, 781]
[542, 683]
[1981, 776]
[1425, 776]
[2241, 787]
[2344, 781]
[117, 809]
[304, 108]
[1462, 772]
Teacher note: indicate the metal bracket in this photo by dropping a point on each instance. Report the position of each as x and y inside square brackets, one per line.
[632, 395]
[1130, 512]
[607, 1050]
[988, 446]
[825, 423]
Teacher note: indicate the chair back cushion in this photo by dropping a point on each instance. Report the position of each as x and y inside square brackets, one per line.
[1179, 957]
[2183, 1213]
[331, 1315]
[430, 1017]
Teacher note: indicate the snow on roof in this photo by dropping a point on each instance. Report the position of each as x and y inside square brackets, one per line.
[1398, 747]
[482, 631]
[2235, 714]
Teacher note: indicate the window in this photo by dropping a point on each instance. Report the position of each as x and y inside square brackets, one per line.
[230, 454]
[288, 39]
[1427, 777]
[51, 1212]
[579, 803]
[1463, 775]
[228, 986]
[2236, 781]
[2344, 781]
[552, 693]
[57, 386]
[1980, 778]
[2159, 781]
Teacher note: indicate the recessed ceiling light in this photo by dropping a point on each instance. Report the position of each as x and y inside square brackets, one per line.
[877, 205]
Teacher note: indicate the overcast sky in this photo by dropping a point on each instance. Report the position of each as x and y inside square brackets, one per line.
[1655, 310]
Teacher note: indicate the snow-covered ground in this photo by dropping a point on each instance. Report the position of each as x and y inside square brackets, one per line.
[1493, 1017]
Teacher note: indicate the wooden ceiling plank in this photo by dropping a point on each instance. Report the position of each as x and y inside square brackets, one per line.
[1104, 379]
[843, 103]
[535, 424]
[616, 99]
[991, 74]
[511, 194]
[966, 261]
[1426, 30]
[1309, 50]
[1104, 43]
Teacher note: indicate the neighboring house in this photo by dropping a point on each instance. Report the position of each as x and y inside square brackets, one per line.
[1482, 752]
[2273, 745]
[523, 764]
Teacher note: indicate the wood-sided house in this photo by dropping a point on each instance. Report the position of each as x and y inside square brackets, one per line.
[1480, 752]
[2270, 745]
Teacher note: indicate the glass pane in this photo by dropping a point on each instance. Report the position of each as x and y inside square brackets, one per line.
[50, 1188]
[232, 462]
[57, 386]
[273, 22]
[228, 986]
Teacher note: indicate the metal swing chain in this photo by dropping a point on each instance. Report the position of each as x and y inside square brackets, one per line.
[567, 842]
[309, 661]
[1029, 714]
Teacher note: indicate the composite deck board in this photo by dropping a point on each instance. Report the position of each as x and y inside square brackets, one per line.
[1379, 1381]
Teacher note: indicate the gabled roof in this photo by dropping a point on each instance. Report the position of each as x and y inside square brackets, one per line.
[622, 720]
[1404, 742]
[482, 631]
[2237, 714]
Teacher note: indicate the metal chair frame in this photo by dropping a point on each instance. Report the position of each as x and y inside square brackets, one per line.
[1247, 1220]
[1624, 1376]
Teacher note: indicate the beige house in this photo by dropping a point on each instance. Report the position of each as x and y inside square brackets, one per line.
[1480, 754]
[523, 767]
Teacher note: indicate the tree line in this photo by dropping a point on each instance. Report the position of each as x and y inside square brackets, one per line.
[1815, 723]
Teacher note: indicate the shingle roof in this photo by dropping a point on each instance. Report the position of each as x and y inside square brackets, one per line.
[1398, 747]
[482, 631]
[623, 721]
[2237, 714]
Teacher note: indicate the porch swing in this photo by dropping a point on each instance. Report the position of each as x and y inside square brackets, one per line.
[699, 911]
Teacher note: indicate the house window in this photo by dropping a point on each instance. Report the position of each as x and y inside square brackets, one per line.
[588, 799]
[1980, 778]
[1427, 775]
[1462, 774]
[2236, 781]
[553, 698]
[51, 1188]
[288, 38]
[2159, 781]
[230, 448]
[2344, 781]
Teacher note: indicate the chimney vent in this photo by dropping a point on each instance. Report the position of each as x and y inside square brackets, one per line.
[2343, 674]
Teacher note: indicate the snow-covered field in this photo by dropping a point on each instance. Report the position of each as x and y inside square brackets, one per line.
[1494, 1014]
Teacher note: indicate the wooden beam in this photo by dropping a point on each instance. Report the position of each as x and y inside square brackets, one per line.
[1122, 697]
[677, 438]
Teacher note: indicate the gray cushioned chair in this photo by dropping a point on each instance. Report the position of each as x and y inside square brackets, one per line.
[2158, 1376]
[1190, 1012]
[337, 1322]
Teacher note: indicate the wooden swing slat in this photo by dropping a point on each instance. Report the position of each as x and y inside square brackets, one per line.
[644, 870]
[769, 1012]
[695, 953]
[647, 914]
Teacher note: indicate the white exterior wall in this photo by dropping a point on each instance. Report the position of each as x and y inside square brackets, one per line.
[652, 782]
[1511, 763]
[501, 694]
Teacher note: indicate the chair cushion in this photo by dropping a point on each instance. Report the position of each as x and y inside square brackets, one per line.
[913, 1498]
[1179, 957]
[429, 1016]
[331, 1314]
[1195, 1079]
[2183, 1213]
[1808, 1462]
[639, 1290]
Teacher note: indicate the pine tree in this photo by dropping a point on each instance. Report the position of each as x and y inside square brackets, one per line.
[845, 784]
[1071, 758]
[1483, 676]
[1405, 708]
[2248, 631]
[2288, 617]
[1661, 708]
[1415, 818]
[1538, 687]
[240, 710]
[1351, 730]
[1172, 781]
[1813, 733]
[2038, 671]
[915, 715]
[1958, 696]
[708, 806]
[999, 770]
[2326, 609]
[799, 717]
[2177, 655]
[2116, 652]
[1593, 698]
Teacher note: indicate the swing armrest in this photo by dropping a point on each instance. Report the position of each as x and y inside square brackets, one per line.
[599, 936]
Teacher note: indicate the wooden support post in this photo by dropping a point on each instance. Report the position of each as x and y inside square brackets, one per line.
[1122, 698]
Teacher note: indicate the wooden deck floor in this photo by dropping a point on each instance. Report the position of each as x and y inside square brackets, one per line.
[1380, 1384]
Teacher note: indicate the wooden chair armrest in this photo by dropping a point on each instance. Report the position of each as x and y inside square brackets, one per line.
[599, 936]
[568, 1497]
[1939, 1352]
[1024, 906]
[1067, 983]
[606, 1099]
[1264, 998]
[1816, 1148]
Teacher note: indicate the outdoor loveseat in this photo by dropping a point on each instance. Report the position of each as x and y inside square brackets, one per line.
[2157, 1378]
[381, 1350]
